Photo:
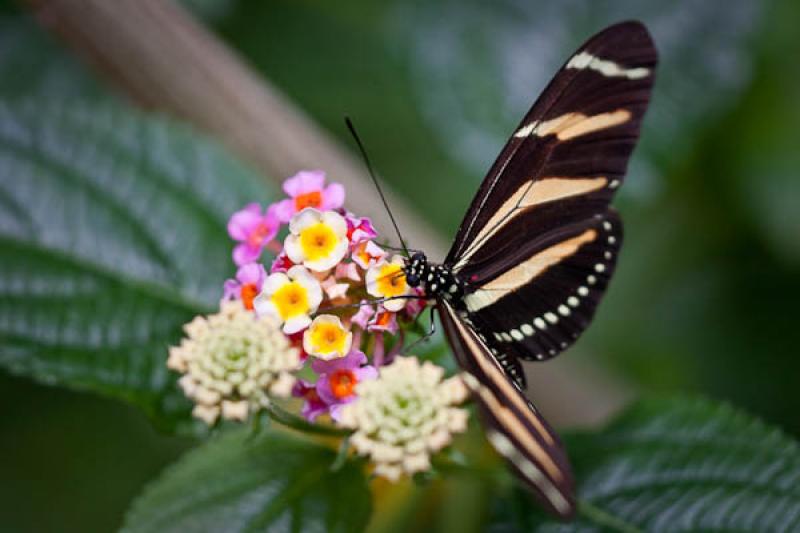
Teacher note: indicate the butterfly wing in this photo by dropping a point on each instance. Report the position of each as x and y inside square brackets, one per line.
[539, 242]
[513, 426]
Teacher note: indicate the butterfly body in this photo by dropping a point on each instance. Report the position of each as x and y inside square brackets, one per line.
[539, 243]
[437, 281]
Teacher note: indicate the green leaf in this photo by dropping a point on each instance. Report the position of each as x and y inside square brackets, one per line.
[500, 56]
[275, 482]
[33, 64]
[112, 235]
[676, 465]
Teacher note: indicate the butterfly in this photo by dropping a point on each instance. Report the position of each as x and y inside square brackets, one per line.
[537, 247]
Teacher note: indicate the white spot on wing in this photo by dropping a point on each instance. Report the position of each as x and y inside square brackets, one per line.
[605, 67]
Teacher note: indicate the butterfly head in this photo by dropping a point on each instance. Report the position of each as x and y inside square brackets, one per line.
[416, 268]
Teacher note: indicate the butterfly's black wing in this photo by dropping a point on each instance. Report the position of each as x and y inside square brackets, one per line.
[539, 242]
[513, 426]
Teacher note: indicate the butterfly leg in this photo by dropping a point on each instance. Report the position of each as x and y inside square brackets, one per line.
[430, 332]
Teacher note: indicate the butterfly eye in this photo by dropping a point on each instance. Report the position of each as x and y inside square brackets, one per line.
[412, 279]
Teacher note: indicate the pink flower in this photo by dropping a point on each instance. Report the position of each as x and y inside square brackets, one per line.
[359, 229]
[383, 321]
[334, 290]
[282, 263]
[314, 405]
[253, 230]
[247, 285]
[338, 378]
[367, 253]
[307, 189]
[365, 312]
[348, 271]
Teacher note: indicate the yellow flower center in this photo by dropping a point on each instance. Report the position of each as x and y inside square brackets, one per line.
[391, 280]
[291, 300]
[328, 338]
[318, 241]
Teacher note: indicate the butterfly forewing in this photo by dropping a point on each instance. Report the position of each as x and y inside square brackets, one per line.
[539, 243]
[575, 140]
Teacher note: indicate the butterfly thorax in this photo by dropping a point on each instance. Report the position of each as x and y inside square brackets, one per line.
[438, 281]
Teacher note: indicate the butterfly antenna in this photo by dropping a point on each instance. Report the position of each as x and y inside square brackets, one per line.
[375, 181]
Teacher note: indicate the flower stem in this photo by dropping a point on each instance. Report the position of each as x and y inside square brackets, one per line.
[286, 418]
[605, 519]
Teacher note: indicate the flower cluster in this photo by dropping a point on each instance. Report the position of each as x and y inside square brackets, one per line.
[323, 323]
[232, 361]
[405, 415]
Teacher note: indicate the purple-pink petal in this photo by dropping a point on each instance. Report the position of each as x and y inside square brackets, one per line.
[366, 372]
[251, 273]
[243, 253]
[304, 182]
[353, 360]
[230, 289]
[284, 210]
[244, 221]
[333, 196]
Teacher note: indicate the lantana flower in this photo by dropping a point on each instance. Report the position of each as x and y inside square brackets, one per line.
[307, 189]
[291, 298]
[383, 320]
[405, 415]
[313, 406]
[232, 362]
[359, 228]
[387, 280]
[254, 230]
[327, 338]
[281, 263]
[247, 284]
[339, 378]
[367, 253]
[317, 240]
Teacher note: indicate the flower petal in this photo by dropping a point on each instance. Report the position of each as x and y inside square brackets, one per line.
[296, 323]
[337, 223]
[304, 182]
[243, 221]
[333, 196]
[305, 218]
[294, 251]
[244, 253]
[251, 273]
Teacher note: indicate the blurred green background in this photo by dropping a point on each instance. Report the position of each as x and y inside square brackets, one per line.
[705, 299]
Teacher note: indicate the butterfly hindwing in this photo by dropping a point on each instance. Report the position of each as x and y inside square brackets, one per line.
[514, 427]
[539, 306]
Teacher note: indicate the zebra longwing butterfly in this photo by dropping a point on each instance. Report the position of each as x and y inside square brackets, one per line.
[533, 256]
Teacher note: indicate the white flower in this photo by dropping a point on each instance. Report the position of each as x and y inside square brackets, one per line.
[388, 280]
[317, 240]
[290, 297]
[405, 415]
[327, 338]
[232, 361]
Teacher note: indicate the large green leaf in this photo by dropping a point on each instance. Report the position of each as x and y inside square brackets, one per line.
[112, 235]
[236, 483]
[676, 465]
